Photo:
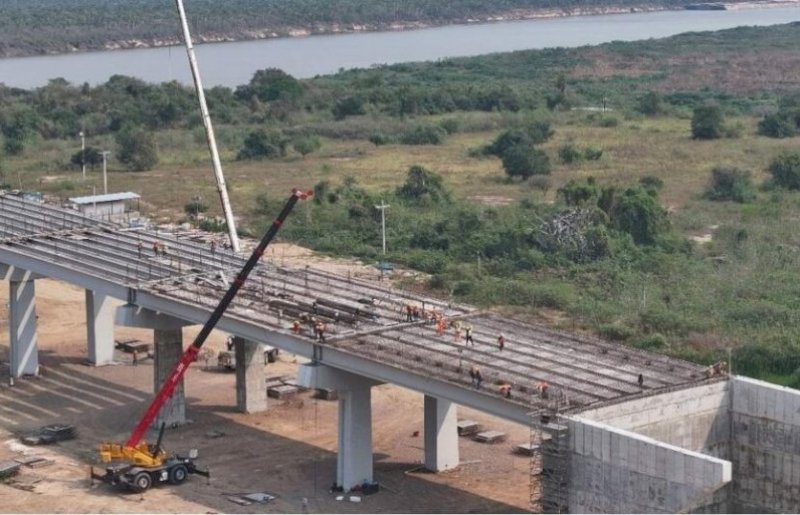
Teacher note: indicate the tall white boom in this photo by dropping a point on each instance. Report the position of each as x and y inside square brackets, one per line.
[212, 142]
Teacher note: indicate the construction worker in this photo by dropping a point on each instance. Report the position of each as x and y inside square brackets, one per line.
[478, 378]
[468, 335]
[139, 247]
[457, 332]
[640, 380]
[501, 341]
[409, 313]
[441, 326]
[472, 376]
[415, 312]
[296, 327]
[135, 358]
[319, 329]
[213, 246]
[155, 248]
[543, 387]
[505, 389]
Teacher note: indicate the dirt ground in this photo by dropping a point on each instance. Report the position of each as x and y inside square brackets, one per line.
[288, 451]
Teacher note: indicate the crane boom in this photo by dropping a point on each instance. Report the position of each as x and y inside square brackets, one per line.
[190, 354]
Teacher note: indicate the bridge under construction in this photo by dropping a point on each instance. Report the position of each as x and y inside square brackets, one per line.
[590, 403]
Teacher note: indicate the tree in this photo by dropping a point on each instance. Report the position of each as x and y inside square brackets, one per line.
[423, 185]
[136, 149]
[91, 156]
[707, 122]
[261, 144]
[307, 145]
[533, 133]
[639, 214]
[271, 84]
[651, 104]
[785, 170]
[524, 161]
[730, 184]
[349, 106]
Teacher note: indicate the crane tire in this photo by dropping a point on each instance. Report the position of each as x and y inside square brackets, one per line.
[177, 474]
[142, 481]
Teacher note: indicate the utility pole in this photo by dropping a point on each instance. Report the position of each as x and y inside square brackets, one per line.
[105, 153]
[383, 207]
[83, 153]
[212, 142]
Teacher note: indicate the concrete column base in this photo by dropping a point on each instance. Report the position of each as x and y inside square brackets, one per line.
[100, 328]
[23, 339]
[168, 345]
[354, 458]
[441, 434]
[251, 390]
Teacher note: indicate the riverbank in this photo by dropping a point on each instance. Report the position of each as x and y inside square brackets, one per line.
[317, 29]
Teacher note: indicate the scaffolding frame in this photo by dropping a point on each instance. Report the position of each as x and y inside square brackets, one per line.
[550, 457]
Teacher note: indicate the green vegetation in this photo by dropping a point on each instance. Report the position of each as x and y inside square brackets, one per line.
[612, 223]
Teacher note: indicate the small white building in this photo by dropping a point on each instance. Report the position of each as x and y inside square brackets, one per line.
[111, 207]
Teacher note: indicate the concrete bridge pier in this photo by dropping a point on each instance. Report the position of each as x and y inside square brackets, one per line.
[354, 457]
[99, 328]
[251, 390]
[441, 434]
[23, 339]
[168, 348]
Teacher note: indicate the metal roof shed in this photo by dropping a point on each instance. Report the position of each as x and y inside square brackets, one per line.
[106, 206]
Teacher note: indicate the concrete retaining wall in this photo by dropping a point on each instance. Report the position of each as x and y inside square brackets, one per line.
[765, 447]
[617, 471]
[697, 419]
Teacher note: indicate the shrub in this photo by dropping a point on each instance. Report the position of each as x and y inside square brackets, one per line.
[577, 193]
[651, 104]
[569, 153]
[707, 122]
[450, 125]
[653, 342]
[531, 134]
[379, 139]
[730, 184]
[777, 125]
[423, 135]
[260, 144]
[525, 161]
[307, 145]
[609, 122]
[195, 207]
[592, 153]
[651, 183]
[423, 185]
[616, 332]
[785, 170]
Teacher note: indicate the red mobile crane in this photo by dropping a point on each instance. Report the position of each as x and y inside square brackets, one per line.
[137, 464]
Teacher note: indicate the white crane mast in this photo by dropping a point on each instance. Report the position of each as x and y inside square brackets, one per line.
[212, 142]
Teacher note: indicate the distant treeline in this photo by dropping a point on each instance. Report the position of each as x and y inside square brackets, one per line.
[29, 27]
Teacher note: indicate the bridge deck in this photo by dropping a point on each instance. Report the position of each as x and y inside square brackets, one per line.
[363, 318]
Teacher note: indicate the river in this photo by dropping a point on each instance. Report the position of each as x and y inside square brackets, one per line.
[231, 64]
